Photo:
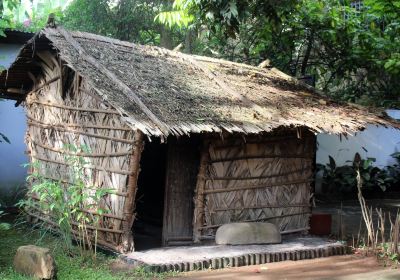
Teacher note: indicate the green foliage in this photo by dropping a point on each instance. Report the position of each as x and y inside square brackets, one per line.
[351, 55]
[65, 203]
[179, 15]
[6, 8]
[124, 19]
[342, 179]
[3, 226]
[68, 268]
[30, 16]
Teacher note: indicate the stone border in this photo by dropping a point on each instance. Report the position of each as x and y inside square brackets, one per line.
[244, 260]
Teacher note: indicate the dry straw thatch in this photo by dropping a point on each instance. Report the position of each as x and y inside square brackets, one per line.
[184, 94]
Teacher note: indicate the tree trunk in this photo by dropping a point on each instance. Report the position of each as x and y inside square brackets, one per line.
[166, 38]
[307, 53]
[189, 38]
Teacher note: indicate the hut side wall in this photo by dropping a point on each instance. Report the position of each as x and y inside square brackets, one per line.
[62, 110]
[262, 179]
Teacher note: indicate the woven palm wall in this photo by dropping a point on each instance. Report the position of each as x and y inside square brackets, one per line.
[63, 109]
[256, 180]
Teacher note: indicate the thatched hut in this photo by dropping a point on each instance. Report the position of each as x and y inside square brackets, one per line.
[187, 142]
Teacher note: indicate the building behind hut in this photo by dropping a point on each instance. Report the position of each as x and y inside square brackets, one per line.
[188, 143]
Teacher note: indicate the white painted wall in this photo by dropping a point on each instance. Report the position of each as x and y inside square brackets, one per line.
[379, 143]
[8, 53]
[13, 125]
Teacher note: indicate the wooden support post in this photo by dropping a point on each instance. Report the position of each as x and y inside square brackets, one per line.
[127, 244]
[198, 217]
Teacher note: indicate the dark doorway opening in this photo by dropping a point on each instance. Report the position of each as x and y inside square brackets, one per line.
[148, 224]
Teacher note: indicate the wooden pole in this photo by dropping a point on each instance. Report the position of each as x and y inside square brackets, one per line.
[129, 205]
[198, 217]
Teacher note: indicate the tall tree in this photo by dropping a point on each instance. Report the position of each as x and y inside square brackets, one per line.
[351, 54]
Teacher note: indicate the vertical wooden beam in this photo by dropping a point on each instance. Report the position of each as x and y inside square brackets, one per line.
[127, 244]
[198, 217]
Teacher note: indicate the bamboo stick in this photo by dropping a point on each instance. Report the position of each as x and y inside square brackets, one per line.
[45, 176]
[198, 217]
[39, 87]
[62, 129]
[308, 157]
[98, 168]
[261, 219]
[269, 139]
[72, 108]
[88, 211]
[63, 151]
[77, 224]
[260, 186]
[84, 126]
[129, 205]
[99, 241]
[259, 207]
[257, 177]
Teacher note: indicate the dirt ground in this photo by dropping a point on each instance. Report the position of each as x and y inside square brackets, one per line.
[349, 267]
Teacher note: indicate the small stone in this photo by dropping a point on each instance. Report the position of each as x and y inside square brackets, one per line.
[247, 233]
[35, 261]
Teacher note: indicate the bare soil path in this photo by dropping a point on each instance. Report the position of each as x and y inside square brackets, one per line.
[349, 267]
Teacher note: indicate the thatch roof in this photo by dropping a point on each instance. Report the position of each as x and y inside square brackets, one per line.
[182, 94]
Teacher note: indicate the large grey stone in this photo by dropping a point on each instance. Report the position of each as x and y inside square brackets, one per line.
[247, 233]
[35, 261]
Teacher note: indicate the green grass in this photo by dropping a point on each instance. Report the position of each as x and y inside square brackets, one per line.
[73, 268]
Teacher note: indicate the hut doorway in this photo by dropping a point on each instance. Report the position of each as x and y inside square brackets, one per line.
[164, 199]
[147, 228]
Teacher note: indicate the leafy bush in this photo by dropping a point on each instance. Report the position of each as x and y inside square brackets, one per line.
[4, 226]
[67, 204]
[343, 179]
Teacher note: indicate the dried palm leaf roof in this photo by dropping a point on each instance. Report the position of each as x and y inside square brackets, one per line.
[163, 92]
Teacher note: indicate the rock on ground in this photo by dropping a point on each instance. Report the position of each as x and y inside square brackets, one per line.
[247, 233]
[35, 261]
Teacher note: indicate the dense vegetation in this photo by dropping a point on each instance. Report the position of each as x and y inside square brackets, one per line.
[349, 50]
[104, 268]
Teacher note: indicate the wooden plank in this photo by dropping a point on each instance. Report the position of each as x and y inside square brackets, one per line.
[114, 78]
[181, 172]
[259, 186]
[198, 218]
[129, 204]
